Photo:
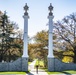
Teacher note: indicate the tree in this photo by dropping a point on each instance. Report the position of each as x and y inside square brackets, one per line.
[66, 33]
[39, 49]
[41, 42]
[31, 51]
[9, 42]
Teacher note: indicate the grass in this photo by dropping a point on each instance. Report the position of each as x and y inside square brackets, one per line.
[20, 73]
[63, 72]
[29, 63]
[71, 71]
[53, 72]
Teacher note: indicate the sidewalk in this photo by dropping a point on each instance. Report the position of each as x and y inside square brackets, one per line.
[33, 70]
[40, 72]
[31, 66]
[10, 74]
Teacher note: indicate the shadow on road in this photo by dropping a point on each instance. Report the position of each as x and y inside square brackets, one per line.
[30, 74]
[66, 73]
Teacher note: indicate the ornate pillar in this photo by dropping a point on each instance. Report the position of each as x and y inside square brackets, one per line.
[50, 42]
[50, 17]
[25, 45]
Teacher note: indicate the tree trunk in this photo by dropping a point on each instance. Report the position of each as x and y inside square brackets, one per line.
[74, 58]
[1, 57]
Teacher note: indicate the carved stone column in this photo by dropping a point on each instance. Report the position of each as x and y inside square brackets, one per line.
[25, 41]
[50, 41]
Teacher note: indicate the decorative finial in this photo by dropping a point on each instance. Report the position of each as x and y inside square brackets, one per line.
[5, 12]
[50, 8]
[26, 8]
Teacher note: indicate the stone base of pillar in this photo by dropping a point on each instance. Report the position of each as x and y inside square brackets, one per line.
[51, 64]
[24, 64]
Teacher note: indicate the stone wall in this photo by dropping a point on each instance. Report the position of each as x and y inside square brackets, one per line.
[57, 65]
[20, 64]
[61, 66]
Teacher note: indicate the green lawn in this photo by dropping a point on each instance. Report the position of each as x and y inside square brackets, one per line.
[52, 72]
[29, 63]
[71, 72]
[63, 72]
[15, 73]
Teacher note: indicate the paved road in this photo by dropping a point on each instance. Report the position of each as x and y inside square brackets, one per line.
[40, 73]
[10, 74]
[31, 66]
[33, 70]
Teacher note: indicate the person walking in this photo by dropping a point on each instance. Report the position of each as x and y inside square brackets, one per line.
[37, 69]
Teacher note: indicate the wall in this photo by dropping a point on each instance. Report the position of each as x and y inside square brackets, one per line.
[56, 65]
[61, 66]
[20, 64]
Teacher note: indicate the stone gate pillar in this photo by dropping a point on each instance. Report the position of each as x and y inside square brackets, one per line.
[25, 45]
[50, 42]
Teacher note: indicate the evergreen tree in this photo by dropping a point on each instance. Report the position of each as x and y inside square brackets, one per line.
[9, 46]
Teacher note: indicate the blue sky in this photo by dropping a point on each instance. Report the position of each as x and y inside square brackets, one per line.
[38, 12]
